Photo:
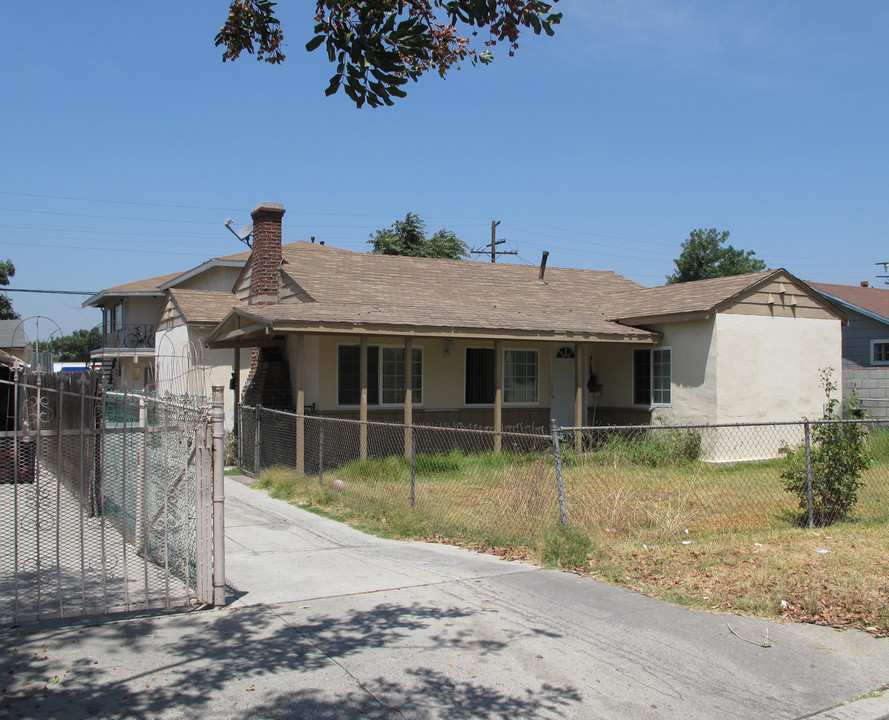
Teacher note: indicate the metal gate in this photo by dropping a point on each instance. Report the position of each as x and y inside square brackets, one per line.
[106, 500]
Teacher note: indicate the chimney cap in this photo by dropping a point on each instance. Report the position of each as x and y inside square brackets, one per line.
[268, 207]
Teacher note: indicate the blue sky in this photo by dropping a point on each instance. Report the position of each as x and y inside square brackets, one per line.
[127, 142]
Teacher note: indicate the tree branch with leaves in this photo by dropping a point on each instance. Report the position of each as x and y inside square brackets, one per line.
[379, 45]
[704, 255]
[408, 237]
[7, 270]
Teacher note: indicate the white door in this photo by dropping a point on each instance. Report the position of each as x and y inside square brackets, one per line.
[562, 385]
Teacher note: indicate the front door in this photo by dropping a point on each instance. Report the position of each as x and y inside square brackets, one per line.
[562, 385]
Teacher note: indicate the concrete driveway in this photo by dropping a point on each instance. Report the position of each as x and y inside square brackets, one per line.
[326, 622]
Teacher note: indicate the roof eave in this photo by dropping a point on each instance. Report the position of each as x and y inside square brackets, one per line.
[260, 331]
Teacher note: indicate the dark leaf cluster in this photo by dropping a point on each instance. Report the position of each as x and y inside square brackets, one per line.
[704, 255]
[379, 45]
[7, 270]
[252, 27]
[408, 237]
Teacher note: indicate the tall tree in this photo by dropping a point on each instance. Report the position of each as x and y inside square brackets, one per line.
[72, 348]
[378, 45]
[7, 270]
[408, 237]
[703, 256]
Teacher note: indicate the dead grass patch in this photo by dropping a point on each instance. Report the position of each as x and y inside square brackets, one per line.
[720, 538]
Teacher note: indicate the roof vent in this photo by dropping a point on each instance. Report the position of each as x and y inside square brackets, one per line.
[865, 283]
[542, 268]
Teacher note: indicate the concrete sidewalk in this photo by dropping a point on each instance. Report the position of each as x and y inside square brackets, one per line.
[326, 622]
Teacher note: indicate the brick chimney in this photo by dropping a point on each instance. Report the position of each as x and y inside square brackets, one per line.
[265, 278]
[268, 383]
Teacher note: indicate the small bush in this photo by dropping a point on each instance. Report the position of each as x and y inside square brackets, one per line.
[567, 548]
[838, 457]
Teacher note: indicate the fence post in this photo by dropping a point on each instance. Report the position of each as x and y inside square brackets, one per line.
[413, 469]
[809, 494]
[563, 510]
[217, 418]
[140, 525]
[239, 427]
[256, 441]
[320, 452]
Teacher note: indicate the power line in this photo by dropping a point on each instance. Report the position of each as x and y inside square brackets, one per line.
[51, 292]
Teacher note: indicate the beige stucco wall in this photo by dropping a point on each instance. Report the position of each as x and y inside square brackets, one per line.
[141, 310]
[221, 279]
[769, 368]
[185, 365]
[443, 370]
[694, 379]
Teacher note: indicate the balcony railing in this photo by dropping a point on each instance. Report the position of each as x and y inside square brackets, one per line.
[125, 336]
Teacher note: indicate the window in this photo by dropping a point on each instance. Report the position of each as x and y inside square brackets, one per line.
[392, 378]
[879, 352]
[479, 376]
[520, 376]
[385, 375]
[652, 377]
[520, 384]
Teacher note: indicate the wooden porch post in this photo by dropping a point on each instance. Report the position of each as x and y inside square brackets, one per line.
[579, 405]
[408, 396]
[237, 389]
[300, 406]
[498, 394]
[362, 408]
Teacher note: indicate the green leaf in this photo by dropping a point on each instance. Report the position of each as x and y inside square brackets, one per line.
[315, 43]
[334, 86]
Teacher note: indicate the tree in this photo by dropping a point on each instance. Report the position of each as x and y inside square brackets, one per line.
[378, 45]
[703, 257]
[72, 348]
[7, 270]
[408, 237]
[68, 348]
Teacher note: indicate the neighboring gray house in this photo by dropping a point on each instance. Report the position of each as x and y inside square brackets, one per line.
[865, 342]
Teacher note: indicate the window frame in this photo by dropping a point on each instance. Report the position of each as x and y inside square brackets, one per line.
[415, 349]
[653, 390]
[378, 375]
[873, 347]
[536, 400]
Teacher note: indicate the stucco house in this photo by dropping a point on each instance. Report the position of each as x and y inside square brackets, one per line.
[865, 342]
[500, 345]
[144, 328]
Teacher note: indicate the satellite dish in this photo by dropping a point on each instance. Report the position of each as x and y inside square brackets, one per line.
[243, 234]
[245, 231]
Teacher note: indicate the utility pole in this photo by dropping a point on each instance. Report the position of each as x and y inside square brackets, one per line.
[494, 240]
[493, 252]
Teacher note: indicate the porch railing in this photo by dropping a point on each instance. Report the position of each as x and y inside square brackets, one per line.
[132, 336]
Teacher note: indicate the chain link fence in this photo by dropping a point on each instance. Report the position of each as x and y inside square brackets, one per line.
[512, 486]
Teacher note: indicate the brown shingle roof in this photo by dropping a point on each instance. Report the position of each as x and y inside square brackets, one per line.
[141, 286]
[203, 307]
[874, 300]
[349, 287]
[698, 296]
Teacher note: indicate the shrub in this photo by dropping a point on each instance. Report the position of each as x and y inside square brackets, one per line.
[838, 456]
